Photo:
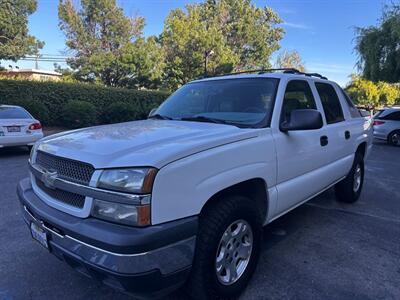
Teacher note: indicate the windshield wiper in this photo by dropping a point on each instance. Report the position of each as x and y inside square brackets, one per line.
[205, 119]
[159, 117]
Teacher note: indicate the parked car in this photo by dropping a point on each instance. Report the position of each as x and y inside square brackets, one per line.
[18, 127]
[387, 125]
[182, 197]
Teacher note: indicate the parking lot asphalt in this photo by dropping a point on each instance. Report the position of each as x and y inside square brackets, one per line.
[321, 250]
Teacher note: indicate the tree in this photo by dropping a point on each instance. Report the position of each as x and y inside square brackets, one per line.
[367, 93]
[363, 92]
[100, 36]
[250, 32]
[388, 93]
[378, 48]
[145, 60]
[290, 59]
[15, 42]
[238, 34]
[186, 39]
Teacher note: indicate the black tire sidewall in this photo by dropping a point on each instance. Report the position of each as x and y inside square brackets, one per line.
[344, 189]
[245, 209]
[391, 136]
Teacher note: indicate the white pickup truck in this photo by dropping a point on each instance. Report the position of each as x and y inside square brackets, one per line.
[181, 198]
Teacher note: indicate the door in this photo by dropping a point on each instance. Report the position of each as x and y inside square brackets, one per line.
[301, 155]
[340, 132]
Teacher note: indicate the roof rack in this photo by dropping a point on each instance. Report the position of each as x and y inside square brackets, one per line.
[307, 74]
[263, 71]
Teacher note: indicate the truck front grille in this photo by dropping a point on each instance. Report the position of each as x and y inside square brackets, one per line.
[68, 169]
[65, 197]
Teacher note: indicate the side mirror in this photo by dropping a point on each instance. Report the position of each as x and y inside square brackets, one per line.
[302, 119]
[152, 112]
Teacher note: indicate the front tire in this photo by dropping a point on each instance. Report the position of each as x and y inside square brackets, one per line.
[349, 189]
[227, 249]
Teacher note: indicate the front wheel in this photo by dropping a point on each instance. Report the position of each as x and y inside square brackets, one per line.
[349, 189]
[227, 249]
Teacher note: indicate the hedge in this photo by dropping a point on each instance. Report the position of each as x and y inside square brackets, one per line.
[48, 101]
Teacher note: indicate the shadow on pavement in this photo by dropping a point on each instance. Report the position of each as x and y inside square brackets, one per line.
[14, 151]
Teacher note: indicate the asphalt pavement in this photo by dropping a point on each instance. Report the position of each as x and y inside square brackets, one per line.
[321, 250]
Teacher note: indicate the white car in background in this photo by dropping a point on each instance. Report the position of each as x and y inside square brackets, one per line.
[18, 127]
[387, 125]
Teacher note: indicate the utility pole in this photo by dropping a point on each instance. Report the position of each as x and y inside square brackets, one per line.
[36, 56]
[207, 54]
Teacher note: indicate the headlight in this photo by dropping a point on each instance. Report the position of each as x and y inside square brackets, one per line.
[121, 213]
[134, 181]
[138, 181]
[32, 155]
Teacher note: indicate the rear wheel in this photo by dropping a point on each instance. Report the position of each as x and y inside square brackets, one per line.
[394, 138]
[349, 189]
[227, 249]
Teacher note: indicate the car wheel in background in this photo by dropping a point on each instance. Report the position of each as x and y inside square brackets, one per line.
[394, 138]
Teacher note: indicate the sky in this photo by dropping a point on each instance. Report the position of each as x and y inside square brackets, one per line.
[322, 31]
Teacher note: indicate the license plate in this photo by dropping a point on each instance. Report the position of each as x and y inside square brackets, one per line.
[39, 235]
[14, 129]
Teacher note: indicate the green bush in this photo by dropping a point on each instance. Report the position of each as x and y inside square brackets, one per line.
[120, 112]
[51, 97]
[77, 114]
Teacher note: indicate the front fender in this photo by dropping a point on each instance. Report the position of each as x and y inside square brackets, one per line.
[182, 188]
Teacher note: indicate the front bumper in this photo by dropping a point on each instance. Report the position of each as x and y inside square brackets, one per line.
[143, 261]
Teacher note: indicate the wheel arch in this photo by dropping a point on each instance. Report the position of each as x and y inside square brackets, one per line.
[256, 189]
[362, 149]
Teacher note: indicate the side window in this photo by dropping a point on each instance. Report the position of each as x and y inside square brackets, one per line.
[394, 116]
[354, 112]
[330, 102]
[298, 95]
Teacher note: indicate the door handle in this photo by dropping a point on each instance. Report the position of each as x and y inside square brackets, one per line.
[347, 134]
[323, 140]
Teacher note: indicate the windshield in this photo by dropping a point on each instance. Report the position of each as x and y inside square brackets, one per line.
[13, 113]
[246, 102]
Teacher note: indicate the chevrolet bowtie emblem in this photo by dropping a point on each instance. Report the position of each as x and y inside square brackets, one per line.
[48, 179]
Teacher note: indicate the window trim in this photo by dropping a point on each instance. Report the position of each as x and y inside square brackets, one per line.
[322, 103]
[283, 98]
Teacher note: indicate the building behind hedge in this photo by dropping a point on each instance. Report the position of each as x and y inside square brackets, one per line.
[31, 74]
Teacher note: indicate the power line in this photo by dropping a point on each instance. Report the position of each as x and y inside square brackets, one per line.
[44, 59]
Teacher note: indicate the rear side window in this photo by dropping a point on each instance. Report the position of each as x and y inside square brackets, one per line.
[394, 116]
[13, 113]
[354, 112]
[298, 95]
[330, 102]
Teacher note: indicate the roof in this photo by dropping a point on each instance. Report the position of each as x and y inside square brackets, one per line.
[393, 108]
[33, 71]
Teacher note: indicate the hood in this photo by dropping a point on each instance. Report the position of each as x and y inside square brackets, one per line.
[152, 143]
